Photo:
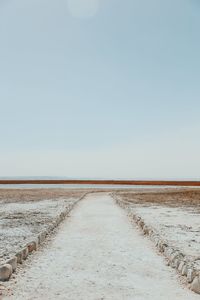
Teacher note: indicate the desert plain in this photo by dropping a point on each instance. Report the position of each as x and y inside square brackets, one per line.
[97, 243]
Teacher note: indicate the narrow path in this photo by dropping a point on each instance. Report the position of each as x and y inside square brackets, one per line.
[96, 255]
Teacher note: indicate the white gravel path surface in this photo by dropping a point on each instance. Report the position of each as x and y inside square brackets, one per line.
[97, 254]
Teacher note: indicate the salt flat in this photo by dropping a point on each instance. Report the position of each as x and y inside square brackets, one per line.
[26, 213]
[173, 214]
[97, 254]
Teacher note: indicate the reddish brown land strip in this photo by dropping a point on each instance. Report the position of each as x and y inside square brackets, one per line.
[105, 182]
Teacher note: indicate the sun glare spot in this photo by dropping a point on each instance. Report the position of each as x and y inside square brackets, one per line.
[83, 8]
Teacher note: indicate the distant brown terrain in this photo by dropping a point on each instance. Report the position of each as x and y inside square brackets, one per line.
[32, 195]
[107, 182]
[171, 197]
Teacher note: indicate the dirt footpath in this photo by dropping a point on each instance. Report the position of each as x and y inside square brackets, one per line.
[97, 254]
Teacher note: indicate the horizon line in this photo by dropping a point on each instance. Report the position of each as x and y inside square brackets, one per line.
[101, 181]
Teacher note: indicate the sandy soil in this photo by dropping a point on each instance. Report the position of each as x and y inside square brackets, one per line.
[97, 254]
[25, 213]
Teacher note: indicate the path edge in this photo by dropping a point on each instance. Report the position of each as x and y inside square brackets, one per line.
[10, 266]
[184, 265]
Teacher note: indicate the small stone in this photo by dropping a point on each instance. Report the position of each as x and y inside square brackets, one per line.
[176, 263]
[32, 246]
[134, 218]
[19, 256]
[41, 237]
[138, 220]
[13, 263]
[190, 275]
[45, 233]
[156, 240]
[173, 256]
[163, 246]
[180, 267]
[160, 248]
[150, 232]
[62, 216]
[145, 229]
[184, 270]
[167, 262]
[25, 253]
[167, 252]
[5, 272]
[141, 223]
[195, 286]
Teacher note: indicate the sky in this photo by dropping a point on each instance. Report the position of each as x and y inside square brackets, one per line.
[100, 88]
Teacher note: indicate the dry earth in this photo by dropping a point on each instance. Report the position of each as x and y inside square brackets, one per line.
[174, 197]
[174, 215]
[25, 213]
[97, 254]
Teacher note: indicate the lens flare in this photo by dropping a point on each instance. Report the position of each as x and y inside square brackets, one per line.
[83, 8]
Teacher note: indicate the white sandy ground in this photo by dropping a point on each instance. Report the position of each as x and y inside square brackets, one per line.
[97, 254]
[179, 226]
[21, 222]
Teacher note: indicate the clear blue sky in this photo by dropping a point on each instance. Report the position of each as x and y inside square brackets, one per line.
[106, 88]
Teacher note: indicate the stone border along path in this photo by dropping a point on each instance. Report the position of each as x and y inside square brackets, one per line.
[96, 254]
[10, 265]
[177, 260]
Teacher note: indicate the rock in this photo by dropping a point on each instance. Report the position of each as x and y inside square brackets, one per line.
[160, 243]
[32, 246]
[141, 223]
[41, 237]
[156, 240]
[135, 218]
[150, 232]
[176, 263]
[184, 270]
[145, 229]
[180, 267]
[173, 256]
[36, 240]
[138, 220]
[168, 251]
[167, 262]
[162, 246]
[45, 233]
[190, 275]
[25, 253]
[62, 216]
[13, 263]
[19, 256]
[5, 272]
[152, 237]
[50, 228]
[57, 221]
[195, 286]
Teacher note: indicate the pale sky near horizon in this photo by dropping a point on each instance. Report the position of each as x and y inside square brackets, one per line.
[100, 88]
